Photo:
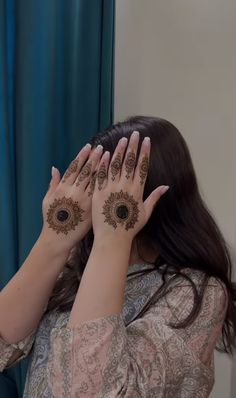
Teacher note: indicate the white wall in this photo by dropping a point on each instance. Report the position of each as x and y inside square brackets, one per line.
[177, 59]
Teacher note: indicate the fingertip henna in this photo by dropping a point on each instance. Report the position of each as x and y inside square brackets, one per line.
[102, 175]
[85, 173]
[116, 166]
[92, 184]
[130, 164]
[71, 169]
[143, 170]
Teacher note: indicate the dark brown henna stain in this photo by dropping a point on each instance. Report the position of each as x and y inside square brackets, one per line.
[116, 165]
[102, 175]
[130, 163]
[121, 208]
[85, 173]
[71, 169]
[143, 170]
[92, 184]
[63, 215]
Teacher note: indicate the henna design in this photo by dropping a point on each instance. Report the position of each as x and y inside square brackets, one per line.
[102, 175]
[85, 173]
[116, 165]
[63, 215]
[130, 164]
[121, 208]
[92, 184]
[143, 170]
[71, 169]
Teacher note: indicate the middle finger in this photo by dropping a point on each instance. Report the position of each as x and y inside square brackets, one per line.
[89, 167]
[129, 164]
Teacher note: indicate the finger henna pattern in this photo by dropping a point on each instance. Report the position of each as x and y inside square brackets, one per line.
[71, 169]
[102, 175]
[85, 173]
[121, 208]
[64, 215]
[143, 170]
[92, 184]
[129, 164]
[116, 165]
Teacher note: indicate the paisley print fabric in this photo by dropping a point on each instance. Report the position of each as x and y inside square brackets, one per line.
[114, 356]
[19, 351]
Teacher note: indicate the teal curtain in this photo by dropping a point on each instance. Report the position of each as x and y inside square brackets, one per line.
[56, 91]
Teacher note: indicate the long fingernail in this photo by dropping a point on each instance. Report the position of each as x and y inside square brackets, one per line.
[123, 141]
[165, 189]
[135, 134]
[53, 170]
[146, 140]
[106, 155]
[99, 148]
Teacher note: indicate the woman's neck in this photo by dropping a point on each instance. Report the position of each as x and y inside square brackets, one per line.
[147, 253]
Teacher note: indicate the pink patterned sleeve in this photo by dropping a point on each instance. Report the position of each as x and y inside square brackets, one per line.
[11, 354]
[104, 358]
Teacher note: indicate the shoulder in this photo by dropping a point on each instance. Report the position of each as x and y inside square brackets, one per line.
[184, 291]
[204, 331]
[215, 299]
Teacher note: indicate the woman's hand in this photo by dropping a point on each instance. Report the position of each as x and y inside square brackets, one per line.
[118, 210]
[67, 204]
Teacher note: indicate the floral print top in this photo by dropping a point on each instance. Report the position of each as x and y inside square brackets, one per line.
[114, 356]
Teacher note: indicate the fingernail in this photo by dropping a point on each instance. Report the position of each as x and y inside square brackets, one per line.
[165, 189]
[99, 148]
[53, 170]
[146, 140]
[135, 134]
[88, 145]
[123, 141]
[106, 155]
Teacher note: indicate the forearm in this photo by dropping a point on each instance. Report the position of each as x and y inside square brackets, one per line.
[102, 287]
[23, 299]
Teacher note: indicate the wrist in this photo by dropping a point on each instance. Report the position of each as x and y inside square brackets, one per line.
[111, 253]
[112, 243]
[52, 248]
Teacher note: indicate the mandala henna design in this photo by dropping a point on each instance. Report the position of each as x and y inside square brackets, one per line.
[92, 184]
[143, 170]
[85, 173]
[116, 165]
[102, 175]
[71, 169]
[63, 215]
[130, 164]
[121, 208]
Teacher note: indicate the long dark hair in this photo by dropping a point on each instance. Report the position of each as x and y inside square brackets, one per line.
[181, 229]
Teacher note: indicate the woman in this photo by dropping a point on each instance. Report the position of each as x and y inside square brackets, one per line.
[130, 275]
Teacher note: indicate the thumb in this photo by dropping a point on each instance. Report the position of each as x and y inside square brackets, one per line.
[54, 180]
[153, 198]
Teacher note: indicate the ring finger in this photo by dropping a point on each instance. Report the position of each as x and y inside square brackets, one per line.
[116, 161]
[101, 180]
[89, 167]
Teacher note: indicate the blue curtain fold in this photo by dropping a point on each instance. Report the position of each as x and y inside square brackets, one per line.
[56, 91]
